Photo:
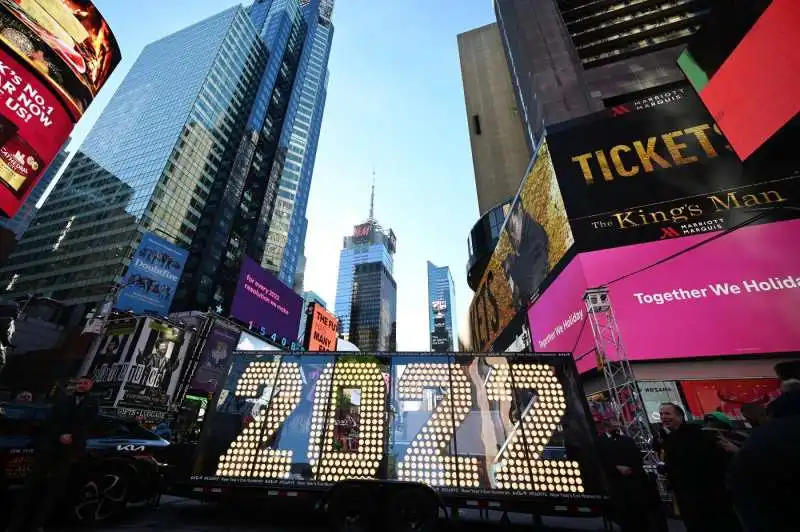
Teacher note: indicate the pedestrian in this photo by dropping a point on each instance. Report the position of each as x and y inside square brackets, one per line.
[696, 465]
[61, 443]
[23, 396]
[765, 475]
[755, 414]
[722, 429]
[628, 483]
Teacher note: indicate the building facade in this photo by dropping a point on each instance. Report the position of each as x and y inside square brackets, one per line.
[569, 58]
[22, 220]
[442, 309]
[194, 146]
[373, 312]
[369, 244]
[499, 152]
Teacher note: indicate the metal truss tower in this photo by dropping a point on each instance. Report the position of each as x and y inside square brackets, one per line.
[622, 387]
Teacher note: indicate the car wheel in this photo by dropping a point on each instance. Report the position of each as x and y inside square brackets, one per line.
[99, 497]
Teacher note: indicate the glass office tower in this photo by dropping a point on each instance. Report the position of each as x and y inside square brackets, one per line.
[373, 312]
[192, 147]
[441, 309]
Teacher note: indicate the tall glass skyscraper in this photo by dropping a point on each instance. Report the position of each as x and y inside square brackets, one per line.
[366, 293]
[442, 309]
[196, 145]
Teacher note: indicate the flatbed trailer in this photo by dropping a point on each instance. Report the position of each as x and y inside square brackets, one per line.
[398, 436]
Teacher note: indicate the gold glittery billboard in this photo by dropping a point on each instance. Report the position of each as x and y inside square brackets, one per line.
[535, 236]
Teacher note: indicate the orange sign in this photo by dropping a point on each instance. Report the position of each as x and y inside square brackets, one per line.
[321, 335]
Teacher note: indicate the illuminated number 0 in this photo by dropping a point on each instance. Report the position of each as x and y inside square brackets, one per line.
[512, 467]
[425, 460]
[327, 463]
[248, 455]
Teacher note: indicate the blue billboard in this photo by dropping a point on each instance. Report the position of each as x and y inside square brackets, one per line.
[152, 276]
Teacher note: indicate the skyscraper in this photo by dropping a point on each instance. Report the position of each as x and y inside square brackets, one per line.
[569, 58]
[206, 131]
[366, 292]
[441, 309]
[20, 222]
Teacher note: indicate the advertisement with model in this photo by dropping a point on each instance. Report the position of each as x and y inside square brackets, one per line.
[152, 277]
[535, 236]
[55, 55]
[214, 361]
[659, 168]
[737, 294]
[266, 305]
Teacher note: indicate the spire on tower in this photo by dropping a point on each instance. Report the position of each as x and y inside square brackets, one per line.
[372, 199]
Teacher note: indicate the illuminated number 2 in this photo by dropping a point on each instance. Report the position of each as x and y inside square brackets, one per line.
[425, 460]
[248, 455]
[513, 468]
[335, 465]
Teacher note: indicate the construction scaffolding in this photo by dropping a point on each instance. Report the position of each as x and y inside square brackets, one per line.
[626, 399]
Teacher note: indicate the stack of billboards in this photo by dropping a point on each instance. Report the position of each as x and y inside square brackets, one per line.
[649, 200]
[55, 55]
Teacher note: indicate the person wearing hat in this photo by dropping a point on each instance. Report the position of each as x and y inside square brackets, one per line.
[765, 475]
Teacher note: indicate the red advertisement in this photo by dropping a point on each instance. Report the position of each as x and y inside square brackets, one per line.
[728, 395]
[55, 55]
[735, 295]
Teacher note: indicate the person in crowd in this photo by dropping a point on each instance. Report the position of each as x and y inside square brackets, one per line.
[765, 475]
[61, 443]
[721, 427]
[696, 465]
[23, 396]
[622, 462]
[755, 414]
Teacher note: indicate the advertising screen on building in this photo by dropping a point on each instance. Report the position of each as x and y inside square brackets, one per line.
[741, 41]
[735, 295]
[266, 305]
[659, 168]
[535, 236]
[212, 367]
[501, 426]
[322, 329]
[55, 55]
[151, 279]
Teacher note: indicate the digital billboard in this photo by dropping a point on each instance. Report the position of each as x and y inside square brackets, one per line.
[266, 305]
[322, 329]
[151, 279]
[741, 41]
[212, 368]
[55, 55]
[461, 423]
[735, 295]
[535, 236]
[658, 168]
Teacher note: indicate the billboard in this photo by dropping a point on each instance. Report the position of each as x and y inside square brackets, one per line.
[461, 423]
[658, 168]
[535, 236]
[755, 39]
[151, 279]
[212, 367]
[734, 295]
[137, 366]
[322, 329]
[441, 342]
[728, 395]
[55, 55]
[266, 305]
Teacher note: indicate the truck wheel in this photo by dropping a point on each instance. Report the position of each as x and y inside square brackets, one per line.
[412, 510]
[351, 509]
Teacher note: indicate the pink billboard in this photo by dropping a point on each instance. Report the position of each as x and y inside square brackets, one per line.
[736, 295]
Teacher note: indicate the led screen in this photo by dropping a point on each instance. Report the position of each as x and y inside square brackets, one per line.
[460, 423]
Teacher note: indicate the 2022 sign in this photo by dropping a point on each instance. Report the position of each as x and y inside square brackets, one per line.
[453, 422]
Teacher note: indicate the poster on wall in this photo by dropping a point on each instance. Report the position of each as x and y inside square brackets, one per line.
[55, 55]
[535, 236]
[107, 364]
[266, 305]
[687, 306]
[659, 168]
[151, 279]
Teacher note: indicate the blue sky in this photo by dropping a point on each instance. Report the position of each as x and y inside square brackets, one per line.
[395, 105]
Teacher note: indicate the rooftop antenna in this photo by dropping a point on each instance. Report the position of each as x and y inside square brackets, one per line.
[372, 199]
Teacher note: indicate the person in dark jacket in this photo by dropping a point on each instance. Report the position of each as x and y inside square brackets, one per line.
[765, 475]
[628, 484]
[527, 263]
[696, 466]
[61, 442]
